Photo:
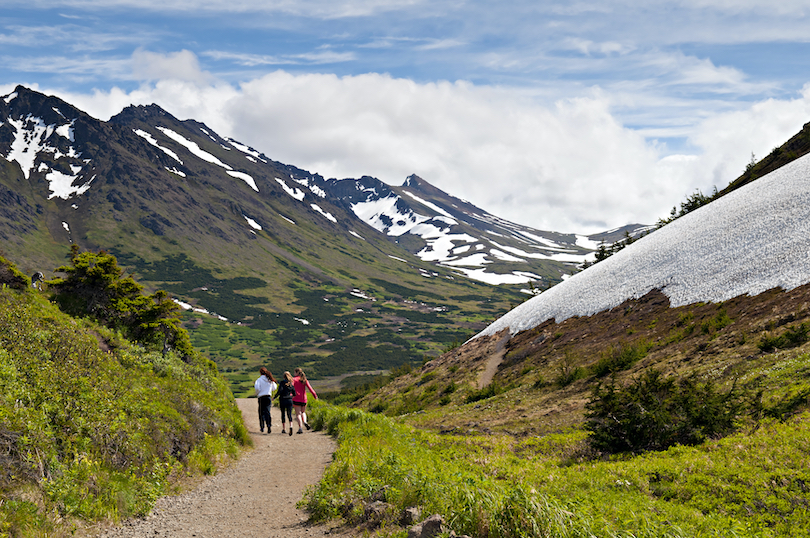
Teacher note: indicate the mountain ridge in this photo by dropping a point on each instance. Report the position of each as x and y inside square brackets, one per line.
[720, 293]
[298, 262]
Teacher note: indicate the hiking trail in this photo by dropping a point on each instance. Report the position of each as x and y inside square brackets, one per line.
[255, 497]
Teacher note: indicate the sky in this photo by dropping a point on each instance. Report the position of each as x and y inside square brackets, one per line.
[573, 116]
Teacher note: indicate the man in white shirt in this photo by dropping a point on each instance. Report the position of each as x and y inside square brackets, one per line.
[265, 387]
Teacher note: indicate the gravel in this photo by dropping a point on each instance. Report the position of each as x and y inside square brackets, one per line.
[254, 497]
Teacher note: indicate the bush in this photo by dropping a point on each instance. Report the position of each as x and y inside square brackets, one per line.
[620, 358]
[93, 433]
[95, 287]
[655, 413]
[11, 276]
[793, 337]
[493, 389]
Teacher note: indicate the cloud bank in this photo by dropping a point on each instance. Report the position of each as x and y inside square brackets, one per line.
[571, 166]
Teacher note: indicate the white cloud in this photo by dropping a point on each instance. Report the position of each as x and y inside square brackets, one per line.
[569, 167]
[797, 7]
[183, 65]
[322, 56]
[311, 8]
[728, 140]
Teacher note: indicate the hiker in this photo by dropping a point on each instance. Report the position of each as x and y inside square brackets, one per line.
[300, 400]
[36, 280]
[265, 386]
[285, 394]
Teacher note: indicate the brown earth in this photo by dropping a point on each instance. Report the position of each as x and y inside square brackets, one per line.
[545, 375]
[255, 497]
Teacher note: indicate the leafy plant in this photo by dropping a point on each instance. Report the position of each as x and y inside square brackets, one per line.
[493, 389]
[95, 286]
[620, 358]
[11, 276]
[792, 337]
[750, 484]
[96, 433]
[655, 412]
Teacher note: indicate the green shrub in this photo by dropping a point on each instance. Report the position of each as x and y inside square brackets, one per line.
[96, 433]
[792, 337]
[493, 389]
[655, 413]
[569, 374]
[620, 358]
[751, 484]
[720, 321]
[95, 287]
[11, 276]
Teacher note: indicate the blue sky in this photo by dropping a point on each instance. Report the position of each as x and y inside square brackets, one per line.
[573, 116]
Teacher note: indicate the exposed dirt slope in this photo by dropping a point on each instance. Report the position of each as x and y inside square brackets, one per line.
[545, 377]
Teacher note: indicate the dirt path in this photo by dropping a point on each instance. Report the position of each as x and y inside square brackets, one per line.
[486, 375]
[254, 498]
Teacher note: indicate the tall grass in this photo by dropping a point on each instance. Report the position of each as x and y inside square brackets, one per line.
[90, 434]
[749, 484]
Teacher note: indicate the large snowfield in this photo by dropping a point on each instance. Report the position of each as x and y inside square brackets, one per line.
[747, 242]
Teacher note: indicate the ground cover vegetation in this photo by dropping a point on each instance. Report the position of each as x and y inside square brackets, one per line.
[751, 483]
[329, 329]
[99, 420]
[644, 420]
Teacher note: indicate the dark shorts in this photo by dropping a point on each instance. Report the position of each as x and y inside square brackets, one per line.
[300, 404]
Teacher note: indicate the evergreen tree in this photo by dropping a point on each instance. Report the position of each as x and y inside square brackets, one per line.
[96, 286]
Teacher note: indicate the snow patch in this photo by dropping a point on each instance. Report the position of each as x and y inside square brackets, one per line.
[193, 148]
[585, 242]
[329, 216]
[149, 138]
[496, 279]
[66, 130]
[296, 193]
[61, 184]
[246, 149]
[244, 177]
[252, 223]
[432, 206]
[744, 243]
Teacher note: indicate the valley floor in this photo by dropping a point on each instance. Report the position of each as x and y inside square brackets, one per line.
[255, 497]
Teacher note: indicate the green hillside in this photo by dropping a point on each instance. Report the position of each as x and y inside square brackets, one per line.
[282, 284]
[94, 426]
[645, 421]
[331, 321]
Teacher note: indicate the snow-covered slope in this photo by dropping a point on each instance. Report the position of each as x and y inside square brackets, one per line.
[749, 241]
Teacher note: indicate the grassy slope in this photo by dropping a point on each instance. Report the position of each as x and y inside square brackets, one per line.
[520, 453]
[424, 315]
[92, 427]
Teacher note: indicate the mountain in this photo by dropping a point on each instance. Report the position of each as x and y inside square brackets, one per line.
[275, 265]
[721, 292]
[453, 233]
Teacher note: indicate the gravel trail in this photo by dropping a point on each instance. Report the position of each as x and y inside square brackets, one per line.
[253, 498]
